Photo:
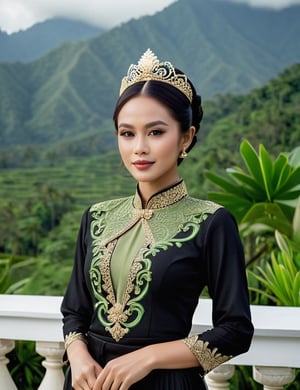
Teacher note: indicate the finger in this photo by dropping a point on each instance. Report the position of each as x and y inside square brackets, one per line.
[86, 386]
[82, 385]
[117, 385]
[102, 383]
[92, 379]
[90, 382]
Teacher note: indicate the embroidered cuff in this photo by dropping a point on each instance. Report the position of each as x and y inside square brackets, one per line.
[209, 359]
[73, 336]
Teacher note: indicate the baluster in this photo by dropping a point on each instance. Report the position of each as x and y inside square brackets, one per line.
[54, 376]
[219, 377]
[6, 381]
[273, 378]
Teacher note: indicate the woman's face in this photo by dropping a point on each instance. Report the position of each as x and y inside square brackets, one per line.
[150, 142]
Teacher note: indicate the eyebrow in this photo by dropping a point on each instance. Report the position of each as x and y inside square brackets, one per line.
[148, 125]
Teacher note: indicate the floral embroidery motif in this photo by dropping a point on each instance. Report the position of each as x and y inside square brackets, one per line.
[119, 317]
[209, 359]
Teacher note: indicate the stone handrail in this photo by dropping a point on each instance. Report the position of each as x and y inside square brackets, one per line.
[274, 353]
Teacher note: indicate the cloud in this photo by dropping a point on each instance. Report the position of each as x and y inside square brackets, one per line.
[275, 4]
[20, 14]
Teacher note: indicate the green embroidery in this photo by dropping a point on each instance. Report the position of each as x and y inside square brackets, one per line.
[115, 316]
[163, 245]
[119, 317]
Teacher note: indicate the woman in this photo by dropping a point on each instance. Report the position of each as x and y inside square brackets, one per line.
[142, 261]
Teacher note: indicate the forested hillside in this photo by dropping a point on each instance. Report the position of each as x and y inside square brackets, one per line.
[58, 149]
[269, 115]
[41, 206]
[25, 46]
[69, 93]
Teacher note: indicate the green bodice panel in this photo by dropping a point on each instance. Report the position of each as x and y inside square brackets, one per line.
[139, 272]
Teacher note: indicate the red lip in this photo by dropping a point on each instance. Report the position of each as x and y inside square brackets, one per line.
[142, 164]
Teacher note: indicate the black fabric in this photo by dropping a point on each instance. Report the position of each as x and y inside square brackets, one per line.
[103, 351]
[161, 380]
[180, 270]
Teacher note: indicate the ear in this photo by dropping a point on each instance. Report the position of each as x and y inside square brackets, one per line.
[188, 137]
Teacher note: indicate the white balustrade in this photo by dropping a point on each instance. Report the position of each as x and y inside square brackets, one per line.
[274, 352]
[219, 377]
[53, 352]
[276, 344]
[35, 318]
[273, 378]
[5, 380]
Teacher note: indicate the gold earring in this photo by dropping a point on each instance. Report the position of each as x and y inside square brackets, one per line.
[183, 154]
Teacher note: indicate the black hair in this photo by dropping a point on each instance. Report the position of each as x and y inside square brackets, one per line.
[182, 110]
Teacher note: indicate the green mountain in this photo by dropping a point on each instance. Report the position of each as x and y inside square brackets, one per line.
[68, 95]
[27, 45]
[268, 115]
[41, 205]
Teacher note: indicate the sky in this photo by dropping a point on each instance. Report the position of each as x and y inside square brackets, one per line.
[16, 15]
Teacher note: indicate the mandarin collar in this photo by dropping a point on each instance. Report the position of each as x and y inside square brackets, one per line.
[163, 198]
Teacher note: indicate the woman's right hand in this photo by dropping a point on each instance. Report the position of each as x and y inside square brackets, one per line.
[84, 368]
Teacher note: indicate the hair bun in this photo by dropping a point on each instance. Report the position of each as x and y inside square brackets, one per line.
[197, 112]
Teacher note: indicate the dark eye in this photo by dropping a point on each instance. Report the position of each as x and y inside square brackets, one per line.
[156, 132]
[126, 133]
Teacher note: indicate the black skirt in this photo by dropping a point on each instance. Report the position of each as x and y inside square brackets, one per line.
[103, 350]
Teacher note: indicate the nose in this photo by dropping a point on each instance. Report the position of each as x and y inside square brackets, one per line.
[141, 145]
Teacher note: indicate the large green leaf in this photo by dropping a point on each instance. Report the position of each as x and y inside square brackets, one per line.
[296, 224]
[245, 180]
[282, 243]
[291, 182]
[225, 184]
[266, 171]
[236, 205]
[269, 214]
[264, 198]
[294, 157]
[251, 160]
[281, 171]
[288, 195]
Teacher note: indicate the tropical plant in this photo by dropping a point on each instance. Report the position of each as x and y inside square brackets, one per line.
[280, 278]
[14, 273]
[265, 199]
[262, 197]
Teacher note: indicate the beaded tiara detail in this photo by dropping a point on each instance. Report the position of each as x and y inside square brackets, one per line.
[149, 68]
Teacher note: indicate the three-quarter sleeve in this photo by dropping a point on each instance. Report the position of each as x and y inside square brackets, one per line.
[227, 285]
[77, 307]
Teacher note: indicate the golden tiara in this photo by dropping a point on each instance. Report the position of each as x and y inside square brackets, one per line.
[149, 68]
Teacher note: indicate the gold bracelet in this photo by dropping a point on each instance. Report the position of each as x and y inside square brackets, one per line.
[73, 336]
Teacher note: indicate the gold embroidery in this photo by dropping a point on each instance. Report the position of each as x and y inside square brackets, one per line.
[209, 359]
[105, 272]
[144, 213]
[73, 336]
[162, 199]
[119, 317]
[117, 331]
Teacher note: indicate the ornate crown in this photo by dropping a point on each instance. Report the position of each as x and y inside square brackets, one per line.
[149, 68]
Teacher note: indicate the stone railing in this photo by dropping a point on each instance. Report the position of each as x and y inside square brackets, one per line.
[274, 353]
